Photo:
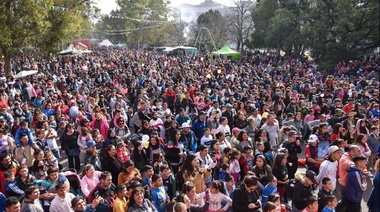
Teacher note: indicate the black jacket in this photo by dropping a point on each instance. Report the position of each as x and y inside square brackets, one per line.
[242, 198]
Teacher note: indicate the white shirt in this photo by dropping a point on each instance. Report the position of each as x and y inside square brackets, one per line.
[328, 169]
[60, 205]
[52, 143]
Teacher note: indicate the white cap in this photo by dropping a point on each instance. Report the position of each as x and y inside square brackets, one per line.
[312, 138]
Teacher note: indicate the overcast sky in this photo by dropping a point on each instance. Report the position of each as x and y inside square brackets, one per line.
[107, 5]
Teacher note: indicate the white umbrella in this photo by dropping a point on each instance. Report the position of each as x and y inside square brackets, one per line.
[22, 74]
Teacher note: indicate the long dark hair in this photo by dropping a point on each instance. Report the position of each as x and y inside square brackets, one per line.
[278, 159]
[218, 185]
[132, 199]
[187, 166]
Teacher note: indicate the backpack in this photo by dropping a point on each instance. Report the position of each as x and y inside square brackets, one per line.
[136, 120]
[289, 188]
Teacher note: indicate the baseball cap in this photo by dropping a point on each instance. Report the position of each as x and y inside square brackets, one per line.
[91, 143]
[312, 176]
[201, 113]
[333, 149]
[185, 125]
[235, 130]
[292, 133]
[228, 105]
[312, 138]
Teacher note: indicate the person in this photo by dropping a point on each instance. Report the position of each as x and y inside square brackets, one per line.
[191, 171]
[270, 188]
[324, 192]
[62, 201]
[273, 130]
[329, 167]
[12, 204]
[10, 185]
[180, 207]
[90, 178]
[275, 198]
[79, 204]
[138, 203]
[311, 204]
[92, 155]
[70, 146]
[120, 203]
[2, 202]
[111, 164]
[311, 154]
[195, 199]
[356, 184]
[129, 173]
[280, 171]
[24, 179]
[169, 181]
[215, 195]
[245, 197]
[374, 197]
[294, 148]
[159, 196]
[373, 141]
[25, 154]
[303, 190]
[269, 207]
[31, 202]
[262, 170]
[332, 202]
[104, 189]
[175, 151]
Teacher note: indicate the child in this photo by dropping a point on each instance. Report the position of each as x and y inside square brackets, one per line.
[207, 137]
[225, 170]
[248, 163]
[270, 188]
[275, 198]
[259, 149]
[51, 121]
[24, 129]
[235, 165]
[326, 191]
[312, 205]
[61, 128]
[217, 195]
[332, 202]
[10, 185]
[159, 197]
[227, 154]
[229, 185]
[168, 181]
[147, 180]
[41, 141]
[122, 152]
[51, 160]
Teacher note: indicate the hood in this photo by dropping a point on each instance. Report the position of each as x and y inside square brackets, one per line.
[301, 178]
[353, 169]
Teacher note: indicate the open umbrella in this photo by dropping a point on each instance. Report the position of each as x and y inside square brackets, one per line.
[22, 74]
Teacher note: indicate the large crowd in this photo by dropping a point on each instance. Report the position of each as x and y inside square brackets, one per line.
[144, 131]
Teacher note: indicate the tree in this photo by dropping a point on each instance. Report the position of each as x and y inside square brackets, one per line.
[241, 23]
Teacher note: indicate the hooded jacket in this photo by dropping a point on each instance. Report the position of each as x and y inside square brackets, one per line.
[355, 186]
[302, 191]
[242, 198]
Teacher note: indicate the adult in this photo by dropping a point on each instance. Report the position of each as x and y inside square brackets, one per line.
[262, 169]
[111, 163]
[25, 154]
[273, 130]
[311, 154]
[105, 189]
[129, 173]
[191, 171]
[175, 151]
[356, 184]
[79, 204]
[199, 125]
[329, 167]
[24, 179]
[188, 137]
[280, 171]
[90, 179]
[374, 198]
[293, 146]
[373, 142]
[12, 204]
[70, 146]
[138, 203]
[6, 164]
[245, 197]
[206, 161]
[303, 190]
[31, 201]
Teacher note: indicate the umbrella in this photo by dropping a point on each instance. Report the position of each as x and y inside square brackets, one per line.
[22, 74]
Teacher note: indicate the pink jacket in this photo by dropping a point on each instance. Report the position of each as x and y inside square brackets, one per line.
[88, 184]
[104, 127]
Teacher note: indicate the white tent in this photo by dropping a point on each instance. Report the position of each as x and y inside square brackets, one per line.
[70, 50]
[106, 43]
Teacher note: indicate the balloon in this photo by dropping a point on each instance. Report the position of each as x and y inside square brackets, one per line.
[74, 111]
[219, 71]
[145, 138]
[208, 76]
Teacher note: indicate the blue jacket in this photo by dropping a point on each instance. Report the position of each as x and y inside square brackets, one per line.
[198, 127]
[160, 198]
[354, 189]
[2, 202]
[28, 132]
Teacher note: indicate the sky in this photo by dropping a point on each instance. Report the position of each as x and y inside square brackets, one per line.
[107, 5]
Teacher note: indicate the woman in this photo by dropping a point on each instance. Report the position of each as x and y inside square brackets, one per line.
[338, 132]
[350, 137]
[170, 131]
[362, 127]
[111, 138]
[175, 151]
[361, 141]
[262, 170]
[137, 202]
[240, 121]
[70, 146]
[243, 141]
[90, 179]
[145, 128]
[24, 179]
[189, 206]
[374, 198]
[192, 172]
[6, 142]
[189, 190]
[154, 147]
[214, 152]
[350, 121]
[139, 155]
[39, 169]
[251, 128]
[111, 164]
[83, 138]
[129, 173]
[79, 204]
[262, 137]
[280, 171]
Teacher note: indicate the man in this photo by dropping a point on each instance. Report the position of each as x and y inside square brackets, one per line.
[6, 164]
[329, 167]
[62, 201]
[199, 125]
[31, 201]
[186, 101]
[229, 114]
[182, 117]
[311, 154]
[322, 120]
[338, 118]
[273, 130]
[120, 203]
[206, 161]
[189, 138]
[293, 146]
[345, 162]
[373, 142]
[105, 189]
[12, 204]
[303, 189]
[246, 197]
[25, 154]
[349, 106]
[356, 184]
[215, 107]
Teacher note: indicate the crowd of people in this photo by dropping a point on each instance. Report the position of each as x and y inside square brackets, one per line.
[145, 131]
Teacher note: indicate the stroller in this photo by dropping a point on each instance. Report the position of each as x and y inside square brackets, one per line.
[74, 181]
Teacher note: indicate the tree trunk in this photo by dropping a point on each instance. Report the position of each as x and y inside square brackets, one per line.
[7, 67]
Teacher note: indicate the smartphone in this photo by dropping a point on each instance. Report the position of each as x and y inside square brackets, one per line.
[96, 194]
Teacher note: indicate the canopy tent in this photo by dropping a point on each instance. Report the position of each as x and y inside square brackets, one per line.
[121, 45]
[226, 52]
[106, 43]
[70, 50]
[25, 73]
